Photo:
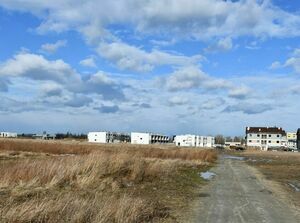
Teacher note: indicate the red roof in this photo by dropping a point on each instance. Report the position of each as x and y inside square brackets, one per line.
[272, 130]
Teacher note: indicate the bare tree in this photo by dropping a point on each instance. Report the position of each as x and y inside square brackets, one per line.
[219, 139]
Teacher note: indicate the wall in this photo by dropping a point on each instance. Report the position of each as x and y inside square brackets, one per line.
[185, 140]
[8, 135]
[97, 137]
[194, 140]
[266, 140]
[140, 138]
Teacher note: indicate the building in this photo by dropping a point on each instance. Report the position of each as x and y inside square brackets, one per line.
[194, 141]
[232, 144]
[148, 138]
[266, 137]
[298, 139]
[8, 135]
[108, 137]
[291, 140]
[44, 136]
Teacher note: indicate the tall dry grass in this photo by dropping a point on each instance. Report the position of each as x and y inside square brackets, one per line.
[39, 146]
[97, 184]
[154, 151]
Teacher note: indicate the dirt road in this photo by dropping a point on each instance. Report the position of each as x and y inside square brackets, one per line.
[237, 194]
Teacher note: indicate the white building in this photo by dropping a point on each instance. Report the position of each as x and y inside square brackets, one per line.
[8, 135]
[148, 138]
[233, 144]
[44, 136]
[266, 137]
[194, 141]
[298, 139]
[291, 140]
[107, 137]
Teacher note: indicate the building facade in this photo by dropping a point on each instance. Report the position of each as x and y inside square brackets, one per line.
[291, 140]
[266, 137]
[44, 136]
[298, 139]
[194, 141]
[108, 137]
[232, 144]
[148, 138]
[8, 135]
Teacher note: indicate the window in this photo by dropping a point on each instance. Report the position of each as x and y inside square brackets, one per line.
[250, 135]
[269, 141]
[270, 135]
[250, 140]
[258, 135]
[257, 140]
[277, 141]
[277, 135]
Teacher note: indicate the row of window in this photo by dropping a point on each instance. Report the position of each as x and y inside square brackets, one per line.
[262, 141]
[258, 135]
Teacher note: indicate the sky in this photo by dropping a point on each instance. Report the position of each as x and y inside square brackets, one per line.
[165, 66]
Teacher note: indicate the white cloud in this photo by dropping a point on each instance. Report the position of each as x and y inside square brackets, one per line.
[132, 58]
[168, 21]
[108, 109]
[241, 92]
[3, 85]
[53, 47]
[197, 19]
[38, 68]
[78, 100]
[191, 77]
[186, 78]
[212, 103]
[293, 62]
[178, 100]
[275, 65]
[10, 105]
[88, 62]
[249, 108]
[224, 44]
[296, 53]
[51, 89]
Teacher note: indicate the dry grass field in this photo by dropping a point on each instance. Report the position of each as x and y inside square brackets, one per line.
[80, 182]
[281, 167]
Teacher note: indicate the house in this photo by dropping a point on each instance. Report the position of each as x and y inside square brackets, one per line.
[232, 144]
[108, 137]
[266, 137]
[8, 135]
[148, 138]
[194, 140]
[298, 139]
[44, 136]
[291, 140]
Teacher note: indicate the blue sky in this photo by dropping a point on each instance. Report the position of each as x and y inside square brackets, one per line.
[168, 66]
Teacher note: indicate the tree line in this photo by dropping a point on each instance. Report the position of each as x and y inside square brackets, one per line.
[220, 139]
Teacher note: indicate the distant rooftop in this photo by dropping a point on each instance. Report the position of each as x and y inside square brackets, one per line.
[276, 130]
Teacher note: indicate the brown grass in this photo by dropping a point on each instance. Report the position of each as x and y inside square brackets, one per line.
[119, 183]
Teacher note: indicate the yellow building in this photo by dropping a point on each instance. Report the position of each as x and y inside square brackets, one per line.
[291, 136]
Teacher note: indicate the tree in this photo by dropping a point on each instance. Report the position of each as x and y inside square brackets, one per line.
[237, 139]
[219, 139]
[228, 139]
